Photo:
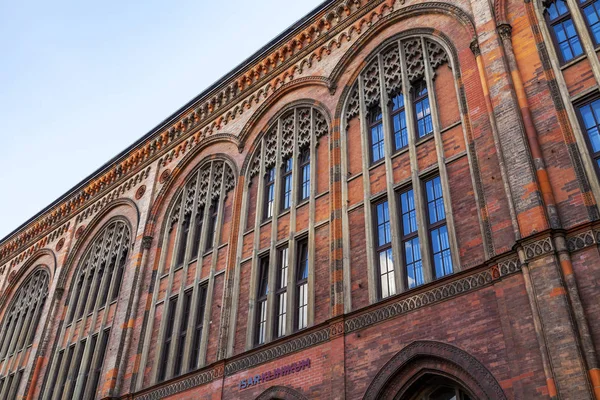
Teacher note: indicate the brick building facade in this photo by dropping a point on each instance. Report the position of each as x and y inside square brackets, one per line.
[392, 199]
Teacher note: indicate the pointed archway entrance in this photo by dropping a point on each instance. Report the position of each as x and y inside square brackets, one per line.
[428, 370]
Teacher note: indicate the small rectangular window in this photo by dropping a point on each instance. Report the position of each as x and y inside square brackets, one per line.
[99, 362]
[399, 122]
[67, 367]
[411, 245]
[197, 233]
[88, 364]
[164, 357]
[269, 193]
[304, 190]
[302, 267]
[422, 109]
[281, 292]
[376, 134]
[212, 226]
[438, 231]
[563, 30]
[383, 248]
[194, 359]
[261, 300]
[187, 303]
[286, 184]
[590, 117]
[591, 11]
[75, 375]
[185, 230]
[57, 367]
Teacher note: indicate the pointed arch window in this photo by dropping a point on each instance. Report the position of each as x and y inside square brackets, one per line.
[191, 240]
[409, 235]
[17, 330]
[93, 293]
[283, 166]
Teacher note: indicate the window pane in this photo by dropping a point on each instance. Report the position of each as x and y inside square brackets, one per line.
[441, 251]
[414, 266]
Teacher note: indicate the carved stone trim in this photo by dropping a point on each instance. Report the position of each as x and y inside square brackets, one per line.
[475, 48]
[190, 382]
[538, 248]
[582, 240]
[434, 295]
[272, 353]
[505, 31]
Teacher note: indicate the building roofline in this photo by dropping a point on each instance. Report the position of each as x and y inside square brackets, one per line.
[205, 93]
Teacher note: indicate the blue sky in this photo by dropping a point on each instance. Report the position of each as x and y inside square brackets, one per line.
[80, 80]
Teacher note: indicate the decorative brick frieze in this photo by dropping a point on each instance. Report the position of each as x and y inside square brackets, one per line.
[189, 382]
[538, 248]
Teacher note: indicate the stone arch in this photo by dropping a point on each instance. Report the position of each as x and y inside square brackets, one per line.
[277, 95]
[163, 202]
[430, 33]
[91, 232]
[430, 357]
[298, 103]
[404, 13]
[281, 393]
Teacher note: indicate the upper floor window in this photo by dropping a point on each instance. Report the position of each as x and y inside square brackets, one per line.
[285, 156]
[422, 109]
[591, 12]
[302, 269]
[286, 184]
[192, 229]
[411, 245]
[261, 301]
[590, 117]
[75, 372]
[398, 114]
[385, 258]
[408, 232]
[304, 189]
[18, 328]
[563, 30]
[438, 231]
[269, 193]
[376, 134]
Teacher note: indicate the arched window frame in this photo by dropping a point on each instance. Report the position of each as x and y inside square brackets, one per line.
[394, 70]
[295, 129]
[113, 242]
[200, 204]
[18, 328]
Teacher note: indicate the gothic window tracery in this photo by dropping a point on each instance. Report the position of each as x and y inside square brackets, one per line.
[283, 164]
[18, 330]
[79, 358]
[192, 237]
[412, 241]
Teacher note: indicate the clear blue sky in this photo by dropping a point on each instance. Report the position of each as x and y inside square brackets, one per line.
[81, 80]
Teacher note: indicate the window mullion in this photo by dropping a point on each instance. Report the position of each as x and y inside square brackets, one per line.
[291, 293]
[273, 250]
[581, 27]
[441, 159]
[211, 282]
[389, 175]
[366, 159]
[311, 221]
[255, 273]
[414, 168]
[167, 297]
